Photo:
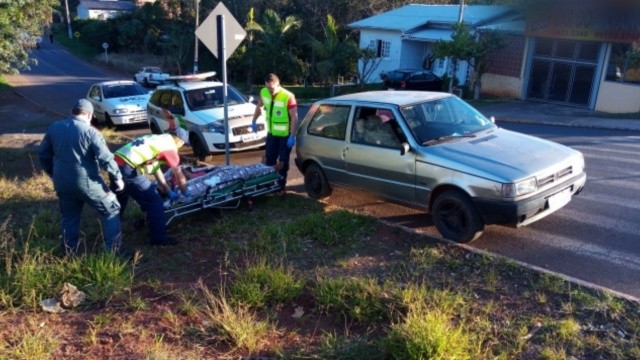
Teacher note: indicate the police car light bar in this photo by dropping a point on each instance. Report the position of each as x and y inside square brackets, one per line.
[192, 77]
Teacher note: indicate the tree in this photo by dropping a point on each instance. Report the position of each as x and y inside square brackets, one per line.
[461, 47]
[272, 48]
[21, 21]
[368, 63]
[489, 42]
[331, 56]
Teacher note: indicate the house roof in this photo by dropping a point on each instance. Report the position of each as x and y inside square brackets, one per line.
[412, 16]
[430, 35]
[108, 5]
[514, 26]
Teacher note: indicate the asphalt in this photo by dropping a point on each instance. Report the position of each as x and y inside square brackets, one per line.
[554, 114]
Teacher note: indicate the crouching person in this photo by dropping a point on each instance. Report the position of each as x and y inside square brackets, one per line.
[144, 156]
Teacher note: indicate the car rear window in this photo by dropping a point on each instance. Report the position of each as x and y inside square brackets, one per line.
[330, 121]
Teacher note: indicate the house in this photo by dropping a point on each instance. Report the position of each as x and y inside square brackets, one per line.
[572, 53]
[103, 9]
[404, 37]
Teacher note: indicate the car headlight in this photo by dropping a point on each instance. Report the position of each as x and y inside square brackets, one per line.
[520, 188]
[120, 111]
[214, 127]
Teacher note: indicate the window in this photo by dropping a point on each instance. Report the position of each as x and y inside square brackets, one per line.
[376, 127]
[624, 64]
[381, 48]
[330, 121]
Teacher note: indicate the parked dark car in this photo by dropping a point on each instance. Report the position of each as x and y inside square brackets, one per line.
[412, 79]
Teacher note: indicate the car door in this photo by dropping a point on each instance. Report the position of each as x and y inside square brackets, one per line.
[326, 139]
[373, 156]
[157, 109]
[95, 97]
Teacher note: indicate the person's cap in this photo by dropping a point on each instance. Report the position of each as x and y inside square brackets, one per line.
[83, 105]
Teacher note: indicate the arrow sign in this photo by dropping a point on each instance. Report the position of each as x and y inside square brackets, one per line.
[234, 33]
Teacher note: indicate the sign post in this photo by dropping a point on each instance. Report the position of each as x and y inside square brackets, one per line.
[221, 33]
[105, 46]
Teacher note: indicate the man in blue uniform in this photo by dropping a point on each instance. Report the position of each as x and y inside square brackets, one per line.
[72, 153]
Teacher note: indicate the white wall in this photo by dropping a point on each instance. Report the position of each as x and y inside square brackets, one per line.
[614, 97]
[388, 64]
[500, 85]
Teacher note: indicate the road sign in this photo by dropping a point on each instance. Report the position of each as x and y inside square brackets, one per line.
[234, 33]
[105, 46]
[76, 34]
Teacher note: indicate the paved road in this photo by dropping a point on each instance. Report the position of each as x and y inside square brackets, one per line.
[594, 238]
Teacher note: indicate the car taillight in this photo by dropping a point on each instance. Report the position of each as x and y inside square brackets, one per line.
[403, 84]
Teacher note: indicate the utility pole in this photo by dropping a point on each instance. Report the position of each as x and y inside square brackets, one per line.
[195, 54]
[66, 4]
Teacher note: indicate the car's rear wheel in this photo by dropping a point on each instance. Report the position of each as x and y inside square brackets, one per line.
[456, 218]
[200, 151]
[315, 182]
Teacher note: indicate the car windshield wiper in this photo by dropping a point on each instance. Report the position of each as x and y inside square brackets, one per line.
[446, 138]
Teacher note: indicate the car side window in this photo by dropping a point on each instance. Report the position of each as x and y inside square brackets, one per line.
[95, 92]
[375, 127]
[165, 100]
[176, 106]
[330, 121]
[155, 98]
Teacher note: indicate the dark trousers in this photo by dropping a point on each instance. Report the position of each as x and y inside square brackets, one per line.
[277, 150]
[144, 192]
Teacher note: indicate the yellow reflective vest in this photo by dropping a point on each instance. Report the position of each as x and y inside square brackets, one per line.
[141, 153]
[277, 113]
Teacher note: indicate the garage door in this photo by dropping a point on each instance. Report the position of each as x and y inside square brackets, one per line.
[563, 71]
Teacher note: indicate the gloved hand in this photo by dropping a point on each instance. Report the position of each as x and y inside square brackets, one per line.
[254, 126]
[173, 195]
[187, 192]
[291, 141]
[119, 185]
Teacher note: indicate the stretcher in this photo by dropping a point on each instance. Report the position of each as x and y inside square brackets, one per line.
[221, 187]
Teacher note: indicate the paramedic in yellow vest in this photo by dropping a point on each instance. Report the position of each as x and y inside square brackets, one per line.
[281, 114]
[144, 156]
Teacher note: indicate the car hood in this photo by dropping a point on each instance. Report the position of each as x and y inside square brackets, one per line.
[501, 155]
[138, 102]
[239, 114]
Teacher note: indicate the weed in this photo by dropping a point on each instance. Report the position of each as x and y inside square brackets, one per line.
[237, 325]
[429, 334]
[259, 285]
[138, 304]
[358, 299]
[30, 342]
[568, 330]
[101, 276]
[333, 228]
[341, 348]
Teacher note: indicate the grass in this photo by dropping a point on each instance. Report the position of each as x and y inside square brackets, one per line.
[292, 279]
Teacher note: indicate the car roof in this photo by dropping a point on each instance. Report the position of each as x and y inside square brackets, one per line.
[116, 82]
[392, 97]
[190, 85]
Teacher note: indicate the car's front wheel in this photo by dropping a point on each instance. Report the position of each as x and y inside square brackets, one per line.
[456, 218]
[315, 182]
[109, 122]
[154, 128]
[200, 151]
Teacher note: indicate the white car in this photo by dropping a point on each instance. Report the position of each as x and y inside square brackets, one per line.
[150, 75]
[118, 103]
[197, 106]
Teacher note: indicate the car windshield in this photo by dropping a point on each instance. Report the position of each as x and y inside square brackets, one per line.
[122, 90]
[212, 97]
[443, 119]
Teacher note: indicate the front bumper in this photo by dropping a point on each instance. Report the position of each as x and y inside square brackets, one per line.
[532, 209]
[133, 118]
[237, 140]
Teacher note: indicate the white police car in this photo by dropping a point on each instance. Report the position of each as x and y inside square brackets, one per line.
[196, 105]
[118, 103]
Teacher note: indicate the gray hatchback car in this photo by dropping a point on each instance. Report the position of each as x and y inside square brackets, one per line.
[435, 151]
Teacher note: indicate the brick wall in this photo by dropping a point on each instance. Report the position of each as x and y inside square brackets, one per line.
[509, 60]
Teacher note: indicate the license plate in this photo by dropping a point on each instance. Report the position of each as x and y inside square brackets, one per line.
[249, 137]
[560, 199]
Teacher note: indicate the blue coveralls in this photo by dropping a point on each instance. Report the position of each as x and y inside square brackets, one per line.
[71, 153]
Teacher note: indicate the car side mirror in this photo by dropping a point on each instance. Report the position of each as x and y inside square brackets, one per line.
[252, 100]
[404, 148]
[493, 119]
